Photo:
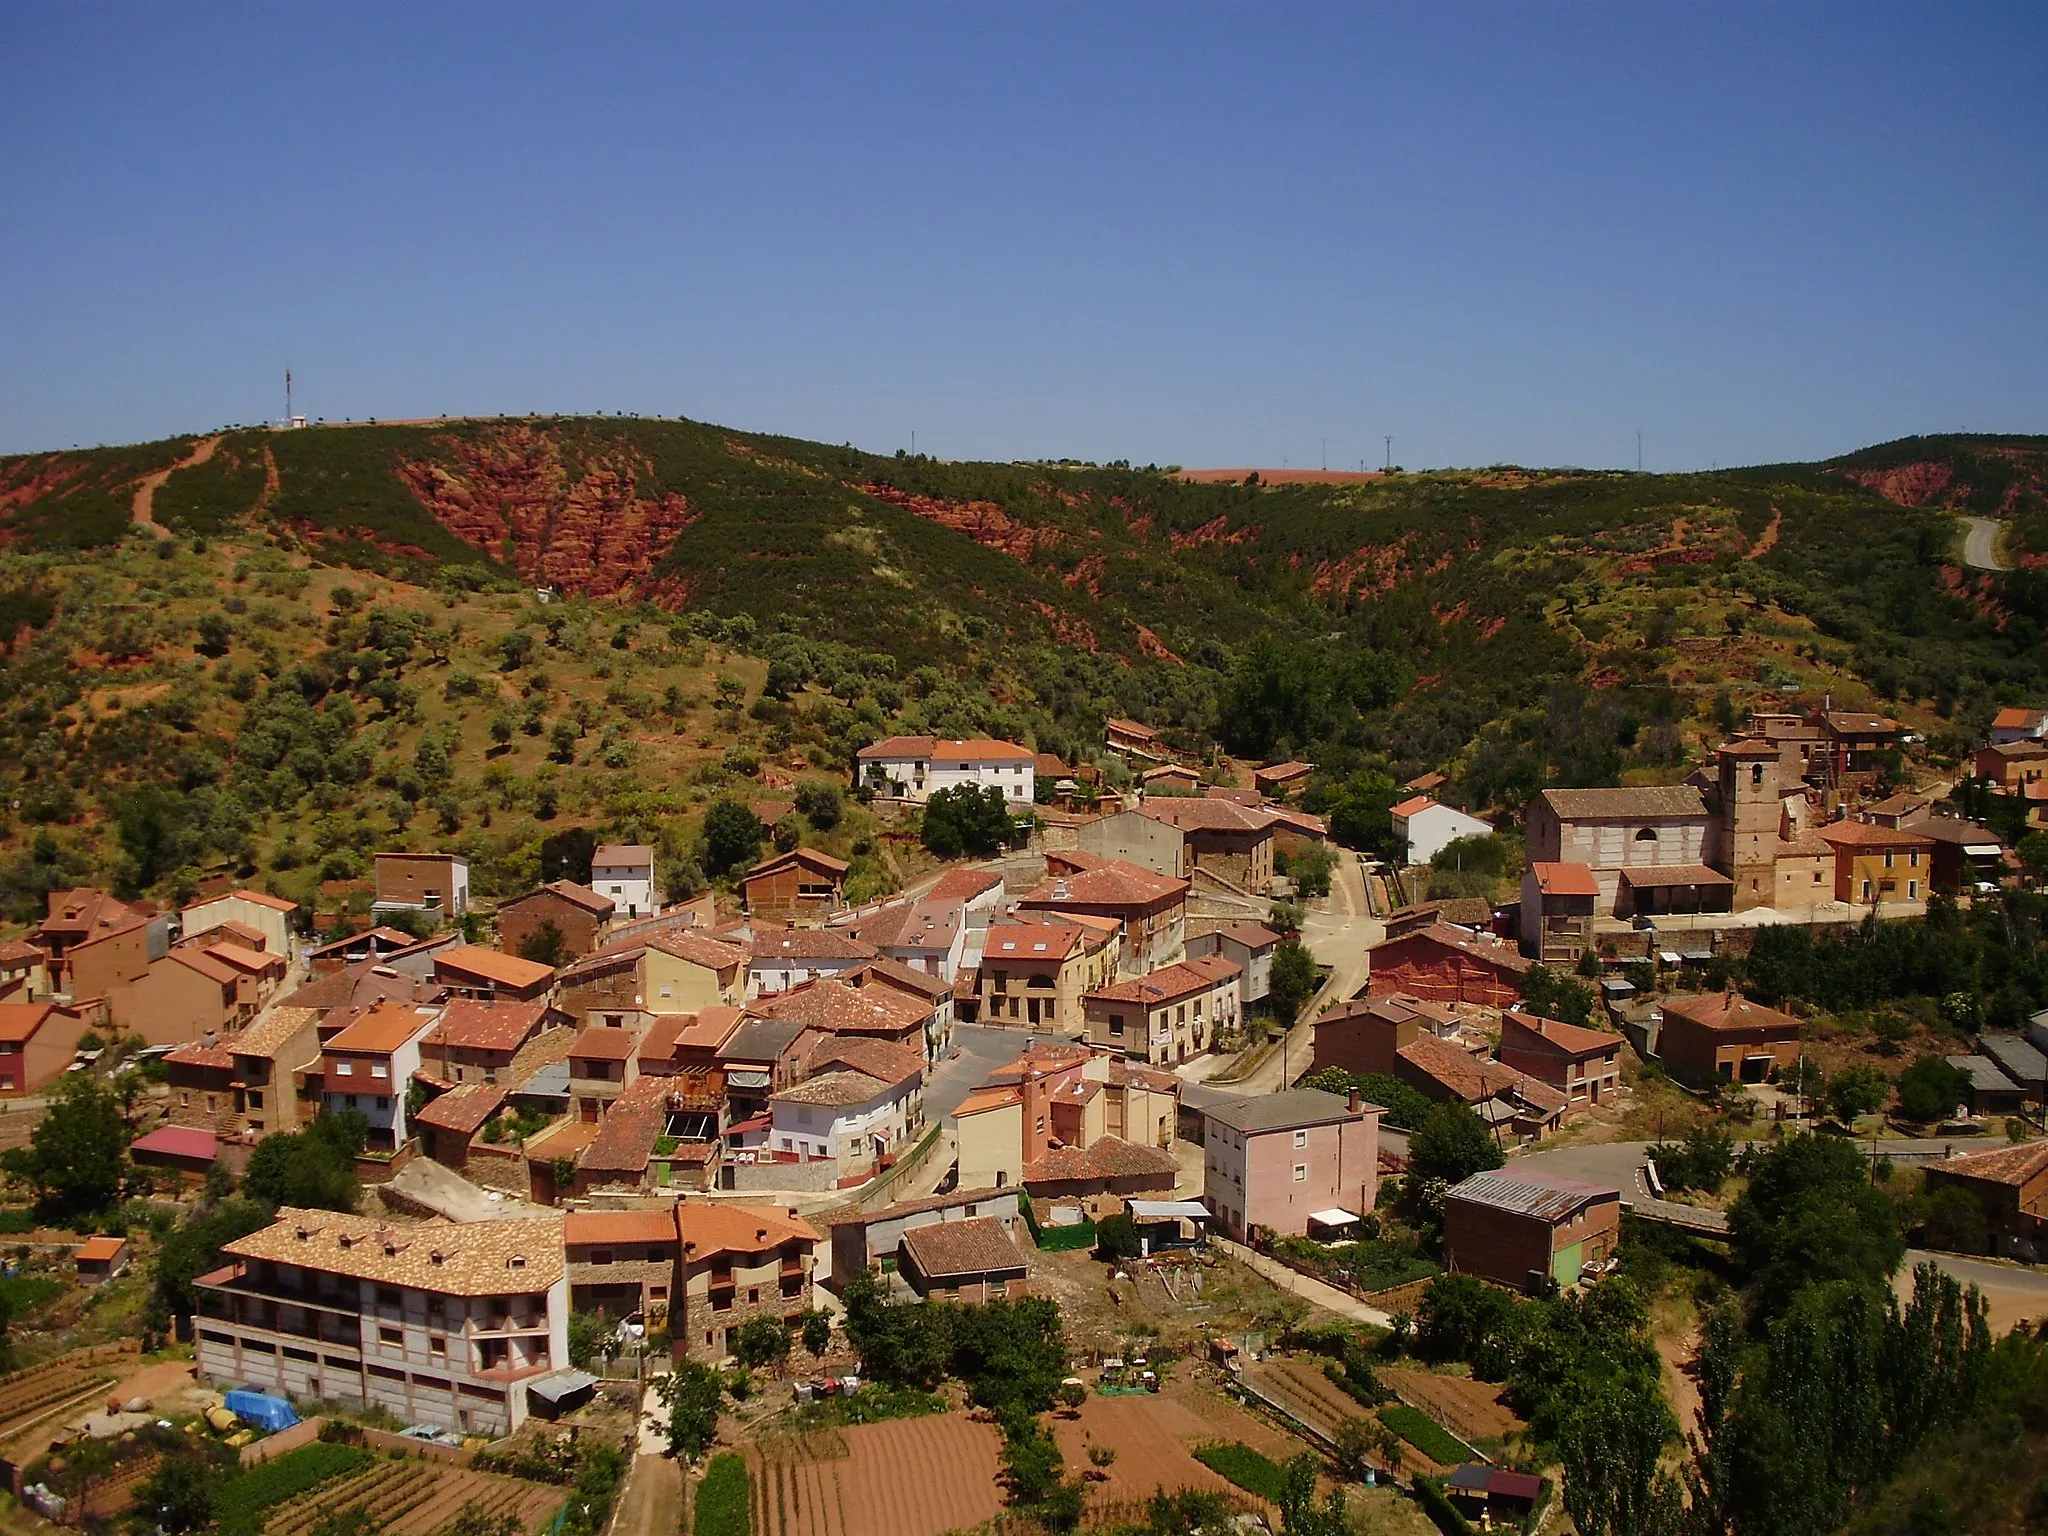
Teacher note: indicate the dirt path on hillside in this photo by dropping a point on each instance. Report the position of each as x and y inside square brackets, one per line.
[143, 510]
[1768, 540]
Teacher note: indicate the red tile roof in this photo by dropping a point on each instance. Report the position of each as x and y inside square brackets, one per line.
[178, 1141]
[1565, 879]
[1105, 883]
[463, 1108]
[604, 1044]
[980, 749]
[1569, 1038]
[709, 1228]
[201, 1055]
[20, 1021]
[831, 1005]
[382, 1030]
[954, 1250]
[469, 1024]
[503, 970]
[655, 1229]
[1107, 1157]
[964, 884]
[1184, 979]
[1727, 1010]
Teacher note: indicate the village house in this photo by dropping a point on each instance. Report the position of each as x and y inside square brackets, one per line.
[781, 958]
[100, 1259]
[562, 918]
[1035, 968]
[469, 970]
[1856, 746]
[2019, 723]
[1149, 842]
[1278, 780]
[661, 1134]
[867, 1242]
[624, 872]
[431, 1322]
[757, 1058]
[1874, 865]
[369, 1065]
[677, 971]
[1990, 1091]
[1723, 1037]
[1558, 906]
[447, 1125]
[2010, 1185]
[246, 1085]
[874, 1011]
[370, 944]
[603, 1063]
[1527, 1229]
[1059, 1098]
[1424, 828]
[913, 768]
[1363, 1036]
[1248, 946]
[979, 891]
[497, 1043]
[190, 991]
[687, 1044]
[1965, 854]
[1167, 1015]
[800, 885]
[1231, 844]
[1584, 1064]
[1097, 1178]
[1272, 1162]
[2021, 1061]
[1169, 779]
[623, 1263]
[1151, 907]
[2013, 768]
[739, 1262]
[1646, 847]
[38, 1043]
[435, 883]
[268, 915]
[970, 1261]
[1804, 871]
[848, 1117]
[1448, 964]
[1127, 738]
[1506, 1099]
[83, 917]
[928, 934]
[24, 972]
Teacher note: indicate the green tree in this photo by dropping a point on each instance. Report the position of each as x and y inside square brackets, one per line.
[178, 1496]
[315, 1167]
[215, 634]
[1810, 1216]
[1931, 1089]
[762, 1341]
[1294, 979]
[1116, 1238]
[694, 1395]
[195, 1248]
[732, 836]
[1360, 811]
[966, 819]
[820, 803]
[562, 739]
[1955, 1222]
[1856, 1091]
[545, 946]
[1451, 1143]
[1610, 1447]
[1550, 995]
[78, 1153]
[817, 1332]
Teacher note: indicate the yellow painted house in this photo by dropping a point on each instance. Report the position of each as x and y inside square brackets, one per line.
[669, 973]
[1876, 864]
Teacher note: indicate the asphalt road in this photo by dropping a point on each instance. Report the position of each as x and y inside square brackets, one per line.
[1980, 545]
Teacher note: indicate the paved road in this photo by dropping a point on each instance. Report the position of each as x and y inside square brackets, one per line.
[1980, 544]
[978, 1049]
[2013, 1293]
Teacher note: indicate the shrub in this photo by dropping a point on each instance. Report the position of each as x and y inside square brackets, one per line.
[1425, 1434]
[723, 1498]
[1251, 1470]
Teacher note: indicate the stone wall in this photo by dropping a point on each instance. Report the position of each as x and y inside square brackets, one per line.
[543, 1050]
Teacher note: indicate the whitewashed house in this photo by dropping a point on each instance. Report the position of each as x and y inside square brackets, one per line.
[912, 767]
[625, 873]
[1425, 827]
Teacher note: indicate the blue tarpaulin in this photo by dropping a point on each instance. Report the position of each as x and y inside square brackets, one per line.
[262, 1410]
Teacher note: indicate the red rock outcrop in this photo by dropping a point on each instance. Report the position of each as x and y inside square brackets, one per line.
[982, 521]
[1216, 531]
[1368, 571]
[1912, 485]
[1155, 647]
[511, 495]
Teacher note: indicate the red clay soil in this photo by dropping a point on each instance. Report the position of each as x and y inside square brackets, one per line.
[1911, 485]
[1154, 1439]
[982, 521]
[1280, 476]
[1216, 531]
[903, 1477]
[594, 534]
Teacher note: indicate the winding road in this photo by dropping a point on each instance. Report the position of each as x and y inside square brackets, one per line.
[1980, 545]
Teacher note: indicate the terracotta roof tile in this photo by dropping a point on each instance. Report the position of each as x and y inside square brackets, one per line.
[1107, 1157]
[476, 1258]
[833, 1090]
[463, 1108]
[469, 1024]
[949, 1250]
[504, 970]
[655, 1229]
[709, 1228]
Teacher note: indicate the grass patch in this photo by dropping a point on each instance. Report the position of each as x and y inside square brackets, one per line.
[214, 496]
[724, 1498]
[1425, 1434]
[240, 1504]
[1253, 1471]
[25, 1294]
[870, 1405]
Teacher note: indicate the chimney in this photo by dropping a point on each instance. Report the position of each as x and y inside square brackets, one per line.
[1356, 1102]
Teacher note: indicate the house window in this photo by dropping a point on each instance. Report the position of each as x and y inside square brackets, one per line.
[394, 1336]
[1301, 1138]
[437, 1346]
[1647, 835]
[344, 1069]
[255, 1099]
[379, 1069]
[600, 1255]
[1887, 858]
[1301, 1173]
[1912, 890]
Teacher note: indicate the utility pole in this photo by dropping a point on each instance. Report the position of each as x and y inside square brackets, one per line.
[1639, 450]
[1326, 454]
[1390, 451]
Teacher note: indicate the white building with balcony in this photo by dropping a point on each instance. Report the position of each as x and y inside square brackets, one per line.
[436, 1322]
[912, 767]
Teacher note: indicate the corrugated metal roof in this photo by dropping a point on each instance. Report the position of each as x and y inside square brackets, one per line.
[1531, 1194]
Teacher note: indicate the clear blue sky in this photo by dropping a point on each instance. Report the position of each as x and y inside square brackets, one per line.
[1204, 235]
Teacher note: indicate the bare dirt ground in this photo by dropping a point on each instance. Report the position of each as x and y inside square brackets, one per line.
[145, 488]
[653, 1502]
[1154, 1436]
[1301, 1384]
[905, 1477]
[1679, 1352]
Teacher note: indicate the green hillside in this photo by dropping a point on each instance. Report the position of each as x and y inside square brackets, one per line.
[1516, 628]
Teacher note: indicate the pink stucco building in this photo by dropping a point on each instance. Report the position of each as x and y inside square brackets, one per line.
[1276, 1160]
